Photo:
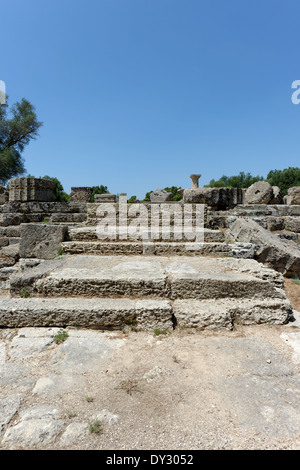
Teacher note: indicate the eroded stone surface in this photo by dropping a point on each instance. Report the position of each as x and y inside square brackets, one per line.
[245, 383]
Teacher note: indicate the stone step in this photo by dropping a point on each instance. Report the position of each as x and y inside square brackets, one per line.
[146, 314]
[66, 218]
[227, 313]
[142, 314]
[90, 234]
[236, 249]
[139, 247]
[170, 277]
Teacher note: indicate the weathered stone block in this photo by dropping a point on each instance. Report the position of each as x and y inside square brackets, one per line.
[4, 195]
[3, 241]
[31, 189]
[277, 196]
[275, 223]
[293, 196]
[216, 198]
[41, 240]
[161, 195]
[81, 194]
[260, 192]
[292, 224]
[270, 250]
[105, 198]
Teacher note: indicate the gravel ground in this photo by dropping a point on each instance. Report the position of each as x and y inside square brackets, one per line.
[182, 391]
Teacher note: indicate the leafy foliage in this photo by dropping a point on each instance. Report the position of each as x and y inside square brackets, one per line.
[174, 190]
[15, 134]
[59, 194]
[285, 179]
[147, 196]
[243, 180]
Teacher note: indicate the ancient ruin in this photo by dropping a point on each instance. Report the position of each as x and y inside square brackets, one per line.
[58, 268]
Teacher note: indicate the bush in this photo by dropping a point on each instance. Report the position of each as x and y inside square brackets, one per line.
[243, 180]
[285, 179]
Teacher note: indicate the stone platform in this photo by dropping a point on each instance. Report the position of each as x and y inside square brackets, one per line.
[146, 293]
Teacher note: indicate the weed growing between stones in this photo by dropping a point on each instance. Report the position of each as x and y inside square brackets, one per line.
[129, 386]
[95, 427]
[89, 399]
[24, 293]
[158, 332]
[61, 337]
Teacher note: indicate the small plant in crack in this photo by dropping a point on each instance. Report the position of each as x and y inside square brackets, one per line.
[61, 337]
[158, 332]
[24, 293]
[95, 427]
[129, 386]
[89, 399]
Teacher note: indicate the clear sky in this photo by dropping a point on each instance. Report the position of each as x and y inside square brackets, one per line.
[138, 94]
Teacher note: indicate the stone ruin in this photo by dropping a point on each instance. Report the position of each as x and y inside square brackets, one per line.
[55, 270]
[30, 189]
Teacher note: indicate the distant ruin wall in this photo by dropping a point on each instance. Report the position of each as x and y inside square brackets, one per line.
[216, 198]
[31, 189]
[15, 213]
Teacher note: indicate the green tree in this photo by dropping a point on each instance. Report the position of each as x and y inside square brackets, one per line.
[242, 180]
[285, 179]
[59, 193]
[16, 131]
[174, 190]
[147, 196]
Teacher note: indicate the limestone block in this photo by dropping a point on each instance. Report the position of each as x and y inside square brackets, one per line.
[4, 195]
[161, 195]
[105, 198]
[81, 194]
[293, 197]
[292, 224]
[41, 240]
[277, 196]
[216, 198]
[30, 189]
[260, 192]
[270, 250]
[275, 223]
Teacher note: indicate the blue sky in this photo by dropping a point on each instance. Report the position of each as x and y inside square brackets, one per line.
[139, 94]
